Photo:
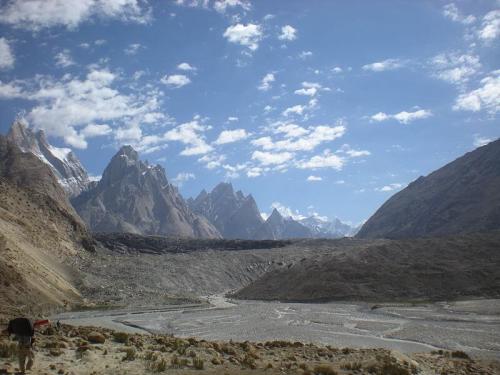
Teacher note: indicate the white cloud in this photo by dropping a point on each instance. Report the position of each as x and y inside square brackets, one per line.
[254, 172]
[403, 117]
[230, 136]
[183, 177]
[300, 109]
[325, 160]
[132, 49]
[455, 68]
[451, 11]
[212, 161]
[96, 130]
[222, 5]
[287, 211]
[486, 97]
[300, 139]
[38, 14]
[267, 82]
[346, 149]
[190, 134]
[175, 80]
[310, 89]
[481, 141]
[62, 107]
[337, 70]
[185, 66]
[246, 35]
[268, 158]
[288, 33]
[232, 118]
[7, 58]
[63, 59]
[490, 27]
[305, 54]
[390, 187]
[380, 66]
[314, 178]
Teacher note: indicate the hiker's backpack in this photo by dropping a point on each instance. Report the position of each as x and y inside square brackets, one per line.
[21, 327]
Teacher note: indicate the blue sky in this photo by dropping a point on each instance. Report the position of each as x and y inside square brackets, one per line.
[316, 106]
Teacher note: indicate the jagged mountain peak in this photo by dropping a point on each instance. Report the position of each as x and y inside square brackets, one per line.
[68, 170]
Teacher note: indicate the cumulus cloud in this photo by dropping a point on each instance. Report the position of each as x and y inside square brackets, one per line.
[269, 158]
[305, 54]
[132, 49]
[403, 117]
[287, 211]
[64, 59]
[190, 134]
[390, 187]
[325, 160]
[451, 11]
[490, 27]
[248, 35]
[486, 97]
[454, 67]
[288, 33]
[481, 141]
[222, 5]
[314, 178]
[175, 80]
[347, 150]
[7, 58]
[380, 66]
[300, 109]
[35, 15]
[62, 107]
[96, 130]
[230, 136]
[310, 89]
[183, 177]
[267, 82]
[301, 139]
[185, 66]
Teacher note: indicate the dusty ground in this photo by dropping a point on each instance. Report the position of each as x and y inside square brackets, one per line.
[88, 350]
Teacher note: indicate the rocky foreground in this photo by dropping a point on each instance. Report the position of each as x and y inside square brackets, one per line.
[90, 350]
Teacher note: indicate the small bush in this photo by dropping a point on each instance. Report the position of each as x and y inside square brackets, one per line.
[7, 349]
[121, 337]
[324, 370]
[130, 353]
[459, 354]
[198, 363]
[249, 362]
[354, 366]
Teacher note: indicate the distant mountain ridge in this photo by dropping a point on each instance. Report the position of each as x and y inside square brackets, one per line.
[232, 213]
[278, 227]
[68, 170]
[461, 197]
[325, 228]
[133, 196]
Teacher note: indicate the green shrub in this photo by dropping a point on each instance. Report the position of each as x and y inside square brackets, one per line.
[130, 353]
[459, 354]
[324, 370]
[121, 337]
[198, 363]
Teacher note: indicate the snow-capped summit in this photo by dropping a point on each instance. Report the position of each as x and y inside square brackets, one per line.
[64, 164]
[322, 227]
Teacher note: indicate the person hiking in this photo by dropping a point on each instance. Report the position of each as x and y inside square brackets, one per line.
[24, 332]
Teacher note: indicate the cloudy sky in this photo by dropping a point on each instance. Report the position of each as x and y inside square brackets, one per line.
[318, 106]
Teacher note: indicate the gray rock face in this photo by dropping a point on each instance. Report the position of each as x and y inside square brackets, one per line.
[461, 197]
[278, 227]
[324, 228]
[232, 213]
[64, 164]
[133, 196]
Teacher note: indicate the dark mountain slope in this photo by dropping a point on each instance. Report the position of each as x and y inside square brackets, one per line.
[461, 197]
[389, 270]
[278, 227]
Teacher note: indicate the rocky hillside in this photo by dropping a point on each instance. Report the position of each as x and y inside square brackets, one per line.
[133, 196]
[40, 234]
[232, 213]
[461, 197]
[389, 270]
[278, 227]
[64, 164]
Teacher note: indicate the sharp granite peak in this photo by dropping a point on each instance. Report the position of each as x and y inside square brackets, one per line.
[136, 197]
[277, 227]
[68, 170]
[232, 213]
